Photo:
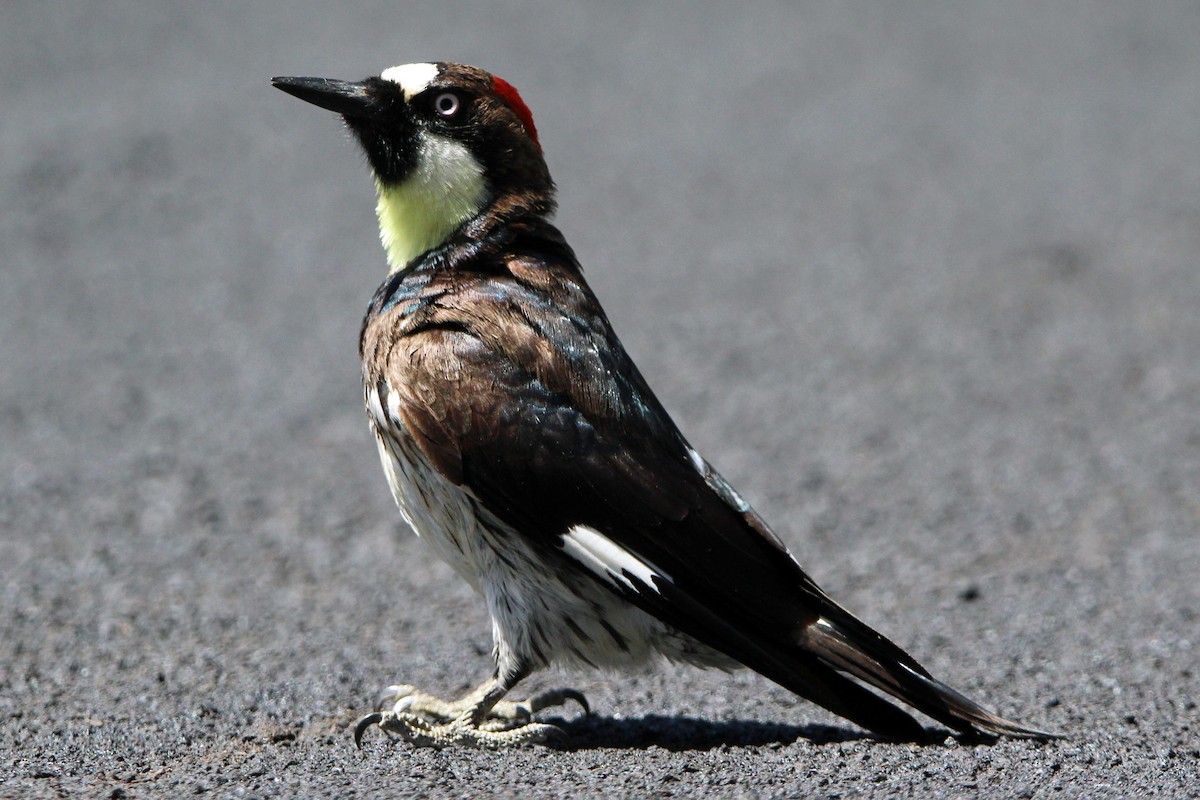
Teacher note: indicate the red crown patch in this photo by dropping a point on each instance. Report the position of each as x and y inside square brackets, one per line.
[508, 93]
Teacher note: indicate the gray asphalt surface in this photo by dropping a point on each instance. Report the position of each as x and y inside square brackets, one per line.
[922, 280]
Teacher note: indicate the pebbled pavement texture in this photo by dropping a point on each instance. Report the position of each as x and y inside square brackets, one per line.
[922, 280]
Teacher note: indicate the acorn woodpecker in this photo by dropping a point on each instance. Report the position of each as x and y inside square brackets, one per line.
[521, 442]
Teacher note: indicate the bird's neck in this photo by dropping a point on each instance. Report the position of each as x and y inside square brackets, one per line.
[445, 190]
[410, 226]
[413, 221]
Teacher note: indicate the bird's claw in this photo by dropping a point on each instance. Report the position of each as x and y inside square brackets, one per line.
[392, 694]
[556, 697]
[364, 722]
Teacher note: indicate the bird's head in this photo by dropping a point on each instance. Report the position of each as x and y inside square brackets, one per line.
[446, 142]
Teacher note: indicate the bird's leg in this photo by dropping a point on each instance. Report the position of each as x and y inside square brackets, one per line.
[481, 719]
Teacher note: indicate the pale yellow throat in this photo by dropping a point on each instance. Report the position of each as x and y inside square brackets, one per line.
[445, 189]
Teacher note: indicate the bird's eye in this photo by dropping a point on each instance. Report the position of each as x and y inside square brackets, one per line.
[446, 104]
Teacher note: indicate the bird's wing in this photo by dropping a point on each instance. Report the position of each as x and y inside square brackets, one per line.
[516, 388]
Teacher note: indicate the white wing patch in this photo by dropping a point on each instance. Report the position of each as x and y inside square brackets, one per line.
[607, 559]
[394, 405]
[411, 78]
[376, 409]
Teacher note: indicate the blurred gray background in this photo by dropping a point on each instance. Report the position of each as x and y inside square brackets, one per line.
[920, 278]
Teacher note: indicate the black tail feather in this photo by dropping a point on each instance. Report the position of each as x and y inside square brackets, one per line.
[822, 685]
[915, 687]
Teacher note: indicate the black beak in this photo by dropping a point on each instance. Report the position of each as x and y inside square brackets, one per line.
[344, 97]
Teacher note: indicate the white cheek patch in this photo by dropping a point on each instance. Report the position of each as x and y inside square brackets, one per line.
[606, 559]
[411, 78]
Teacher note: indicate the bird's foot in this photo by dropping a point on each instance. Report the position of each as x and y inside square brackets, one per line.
[491, 734]
[427, 721]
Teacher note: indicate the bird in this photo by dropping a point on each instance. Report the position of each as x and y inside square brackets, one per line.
[522, 443]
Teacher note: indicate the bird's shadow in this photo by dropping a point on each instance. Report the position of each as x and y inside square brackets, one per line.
[594, 732]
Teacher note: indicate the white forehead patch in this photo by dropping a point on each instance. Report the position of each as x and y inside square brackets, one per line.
[411, 78]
